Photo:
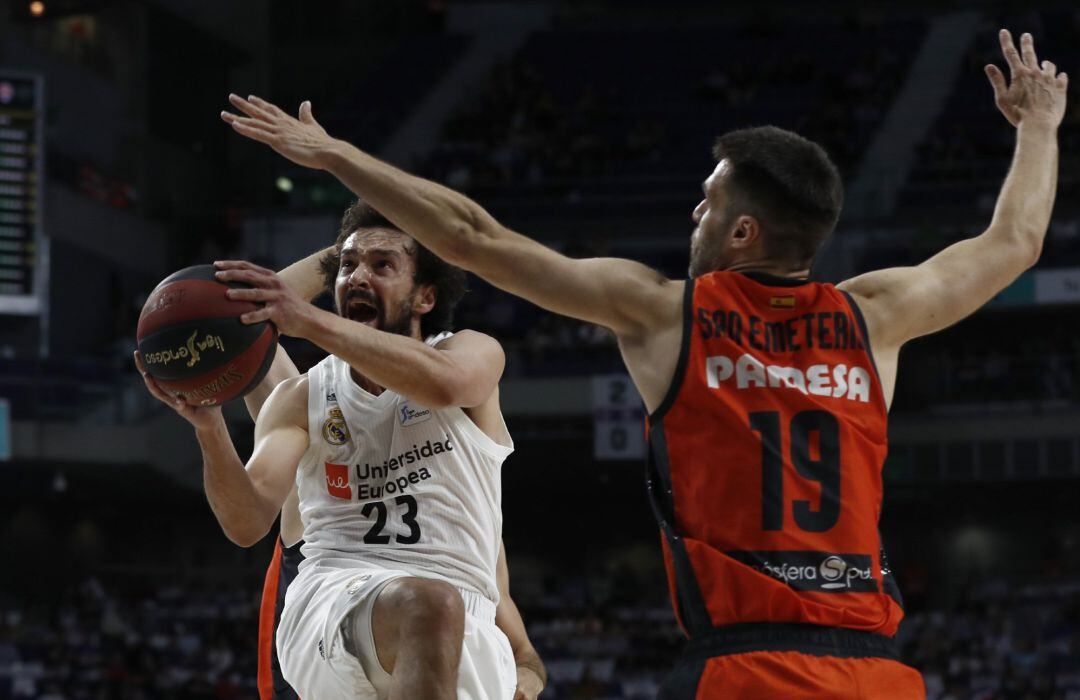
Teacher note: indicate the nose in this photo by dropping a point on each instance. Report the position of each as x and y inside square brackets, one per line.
[360, 277]
[699, 211]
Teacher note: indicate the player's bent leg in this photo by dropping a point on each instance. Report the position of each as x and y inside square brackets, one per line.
[418, 626]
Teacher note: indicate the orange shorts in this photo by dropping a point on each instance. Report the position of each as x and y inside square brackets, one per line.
[793, 675]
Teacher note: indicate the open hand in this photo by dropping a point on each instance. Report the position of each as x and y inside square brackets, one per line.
[1034, 92]
[201, 417]
[281, 305]
[302, 140]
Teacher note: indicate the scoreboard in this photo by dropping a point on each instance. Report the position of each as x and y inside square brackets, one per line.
[22, 243]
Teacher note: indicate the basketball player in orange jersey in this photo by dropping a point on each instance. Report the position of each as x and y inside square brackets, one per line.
[767, 407]
[403, 588]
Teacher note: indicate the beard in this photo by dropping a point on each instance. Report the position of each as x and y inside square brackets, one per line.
[397, 321]
[702, 260]
[708, 251]
[400, 323]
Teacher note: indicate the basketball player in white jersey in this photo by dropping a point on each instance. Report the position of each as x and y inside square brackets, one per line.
[394, 445]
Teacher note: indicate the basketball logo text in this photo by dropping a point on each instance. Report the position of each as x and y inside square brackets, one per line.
[747, 372]
[207, 393]
[191, 351]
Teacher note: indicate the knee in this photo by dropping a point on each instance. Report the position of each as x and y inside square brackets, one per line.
[435, 605]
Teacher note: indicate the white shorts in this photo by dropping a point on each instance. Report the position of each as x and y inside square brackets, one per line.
[316, 664]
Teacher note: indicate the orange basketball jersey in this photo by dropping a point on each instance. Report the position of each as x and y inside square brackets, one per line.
[766, 457]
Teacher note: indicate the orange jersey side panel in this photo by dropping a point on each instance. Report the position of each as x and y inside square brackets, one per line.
[767, 458]
[794, 676]
[267, 628]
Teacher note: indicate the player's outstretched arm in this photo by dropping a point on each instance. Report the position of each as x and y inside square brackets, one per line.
[623, 295]
[531, 674]
[904, 303]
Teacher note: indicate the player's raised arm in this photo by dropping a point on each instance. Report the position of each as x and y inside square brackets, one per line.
[623, 295]
[904, 303]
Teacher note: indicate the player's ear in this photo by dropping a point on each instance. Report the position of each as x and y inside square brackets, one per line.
[745, 231]
[425, 299]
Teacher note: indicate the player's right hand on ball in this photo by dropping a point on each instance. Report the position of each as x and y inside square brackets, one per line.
[303, 140]
[1034, 92]
[198, 416]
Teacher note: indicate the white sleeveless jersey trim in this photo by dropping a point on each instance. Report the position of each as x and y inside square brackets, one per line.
[387, 482]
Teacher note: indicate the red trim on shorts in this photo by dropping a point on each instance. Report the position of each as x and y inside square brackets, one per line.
[266, 623]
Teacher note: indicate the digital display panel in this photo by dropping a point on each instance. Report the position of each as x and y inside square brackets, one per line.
[21, 152]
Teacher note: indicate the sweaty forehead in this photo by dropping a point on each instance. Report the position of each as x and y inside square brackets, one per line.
[367, 240]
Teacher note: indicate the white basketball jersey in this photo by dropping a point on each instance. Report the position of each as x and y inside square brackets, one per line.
[390, 483]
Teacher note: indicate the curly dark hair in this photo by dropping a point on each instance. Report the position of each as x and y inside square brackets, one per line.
[449, 281]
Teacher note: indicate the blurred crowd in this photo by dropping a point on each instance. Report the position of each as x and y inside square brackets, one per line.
[1001, 641]
[519, 134]
[175, 643]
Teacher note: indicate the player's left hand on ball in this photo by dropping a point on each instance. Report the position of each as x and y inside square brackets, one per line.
[198, 416]
[529, 684]
[302, 140]
[281, 305]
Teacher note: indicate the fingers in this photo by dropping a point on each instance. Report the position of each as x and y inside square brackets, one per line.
[259, 278]
[1008, 50]
[248, 294]
[268, 107]
[262, 314]
[250, 108]
[1049, 68]
[305, 113]
[1027, 51]
[243, 271]
[239, 265]
[250, 128]
[152, 386]
[997, 81]
[1063, 81]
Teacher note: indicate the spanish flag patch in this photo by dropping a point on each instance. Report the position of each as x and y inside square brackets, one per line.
[784, 302]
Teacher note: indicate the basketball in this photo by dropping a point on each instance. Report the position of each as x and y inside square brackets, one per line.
[193, 343]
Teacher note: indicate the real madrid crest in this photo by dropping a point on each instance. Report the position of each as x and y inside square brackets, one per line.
[334, 430]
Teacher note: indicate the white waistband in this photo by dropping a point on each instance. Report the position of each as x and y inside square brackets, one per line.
[478, 606]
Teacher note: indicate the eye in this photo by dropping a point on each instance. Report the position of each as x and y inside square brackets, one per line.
[384, 265]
